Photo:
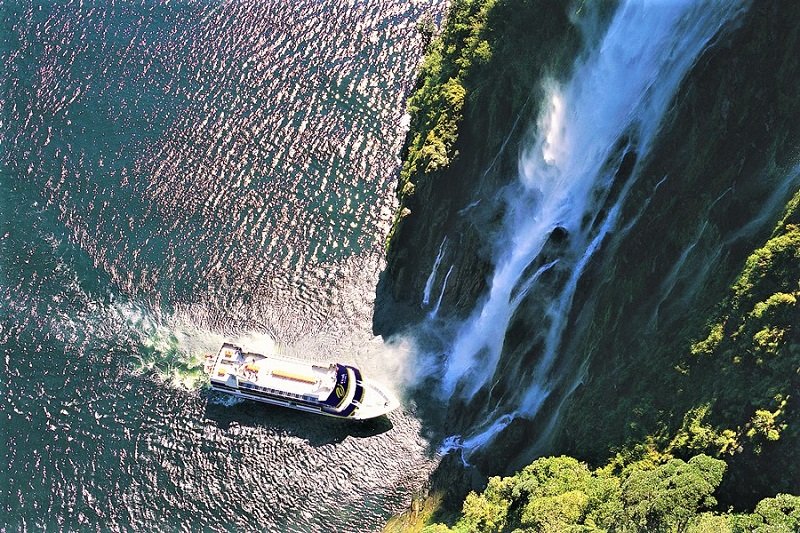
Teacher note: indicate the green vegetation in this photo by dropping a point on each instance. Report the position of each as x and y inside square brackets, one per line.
[749, 362]
[731, 394]
[479, 74]
[417, 517]
[736, 388]
[437, 105]
[557, 494]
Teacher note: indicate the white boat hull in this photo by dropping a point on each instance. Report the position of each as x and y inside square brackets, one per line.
[334, 390]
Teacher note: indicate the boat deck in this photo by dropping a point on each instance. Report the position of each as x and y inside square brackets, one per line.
[293, 377]
[334, 390]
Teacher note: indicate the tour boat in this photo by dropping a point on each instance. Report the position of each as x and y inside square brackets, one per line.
[334, 389]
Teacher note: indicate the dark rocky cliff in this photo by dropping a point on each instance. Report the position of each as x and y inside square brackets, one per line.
[710, 193]
[458, 200]
[729, 153]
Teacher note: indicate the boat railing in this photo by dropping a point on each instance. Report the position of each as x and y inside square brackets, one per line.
[280, 393]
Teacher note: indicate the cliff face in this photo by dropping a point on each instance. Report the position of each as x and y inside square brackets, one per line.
[632, 372]
[729, 155]
[460, 152]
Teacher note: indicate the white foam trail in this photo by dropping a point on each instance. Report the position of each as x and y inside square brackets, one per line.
[484, 437]
[477, 441]
[624, 86]
[426, 294]
[526, 287]
[175, 343]
[435, 310]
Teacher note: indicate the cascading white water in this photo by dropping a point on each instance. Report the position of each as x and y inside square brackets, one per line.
[435, 310]
[621, 89]
[426, 293]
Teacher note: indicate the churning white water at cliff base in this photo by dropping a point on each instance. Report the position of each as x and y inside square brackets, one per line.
[618, 95]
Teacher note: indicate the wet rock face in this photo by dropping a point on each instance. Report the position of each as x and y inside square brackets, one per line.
[723, 158]
[464, 201]
[711, 187]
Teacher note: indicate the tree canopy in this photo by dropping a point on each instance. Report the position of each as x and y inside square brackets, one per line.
[562, 494]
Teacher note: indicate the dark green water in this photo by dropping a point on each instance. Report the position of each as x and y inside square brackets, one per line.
[173, 174]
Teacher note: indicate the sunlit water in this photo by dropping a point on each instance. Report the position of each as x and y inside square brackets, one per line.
[176, 174]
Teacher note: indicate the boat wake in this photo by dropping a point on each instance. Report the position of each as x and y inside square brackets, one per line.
[172, 347]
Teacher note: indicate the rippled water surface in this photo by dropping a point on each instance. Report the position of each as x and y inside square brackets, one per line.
[175, 174]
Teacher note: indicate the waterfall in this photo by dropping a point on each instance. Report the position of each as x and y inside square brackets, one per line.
[426, 293]
[435, 310]
[570, 180]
